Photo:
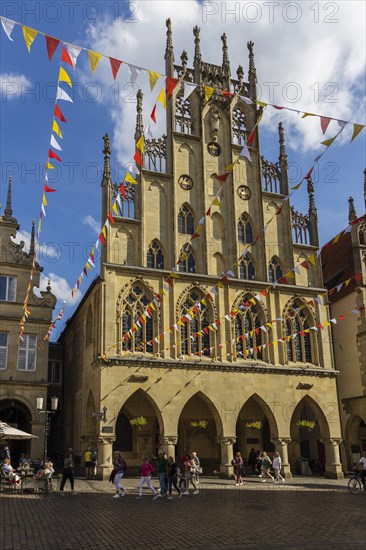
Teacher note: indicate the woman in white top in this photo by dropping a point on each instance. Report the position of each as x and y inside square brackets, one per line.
[277, 463]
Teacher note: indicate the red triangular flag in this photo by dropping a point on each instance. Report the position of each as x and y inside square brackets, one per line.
[52, 44]
[309, 173]
[223, 177]
[123, 191]
[101, 238]
[251, 137]
[358, 277]
[153, 114]
[52, 155]
[85, 272]
[137, 157]
[324, 123]
[65, 57]
[57, 112]
[111, 218]
[170, 85]
[47, 189]
[115, 65]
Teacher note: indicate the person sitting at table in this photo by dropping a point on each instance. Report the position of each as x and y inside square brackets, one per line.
[9, 471]
[47, 471]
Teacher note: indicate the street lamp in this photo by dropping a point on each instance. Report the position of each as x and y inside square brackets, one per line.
[47, 420]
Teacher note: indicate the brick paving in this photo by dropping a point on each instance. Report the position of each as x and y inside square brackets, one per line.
[304, 514]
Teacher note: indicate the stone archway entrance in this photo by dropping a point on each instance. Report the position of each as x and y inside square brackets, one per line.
[256, 428]
[137, 441]
[199, 427]
[16, 414]
[355, 439]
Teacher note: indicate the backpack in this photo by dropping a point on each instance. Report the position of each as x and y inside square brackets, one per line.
[124, 465]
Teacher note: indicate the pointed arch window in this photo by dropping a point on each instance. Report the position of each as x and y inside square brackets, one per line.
[185, 220]
[274, 270]
[126, 202]
[362, 234]
[239, 126]
[246, 268]
[155, 256]
[298, 344]
[245, 232]
[183, 116]
[187, 262]
[134, 305]
[248, 335]
[197, 320]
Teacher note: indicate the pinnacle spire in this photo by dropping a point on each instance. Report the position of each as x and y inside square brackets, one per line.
[139, 122]
[169, 52]
[312, 205]
[31, 246]
[240, 75]
[225, 55]
[107, 160]
[8, 210]
[351, 210]
[281, 134]
[197, 46]
[252, 74]
[184, 59]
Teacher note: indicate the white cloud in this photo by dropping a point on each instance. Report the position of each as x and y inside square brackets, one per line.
[317, 60]
[91, 222]
[46, 251]
[13, 85]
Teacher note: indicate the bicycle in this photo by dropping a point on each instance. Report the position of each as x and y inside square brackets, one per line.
[355, 485]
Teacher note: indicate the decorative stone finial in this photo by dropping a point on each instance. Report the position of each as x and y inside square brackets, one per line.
[197, 47]
[31, 246]
[312, 206]
[48, 287]
[184, 59]
[240, 75]
[225, 55]
[169, 42]
[107, 160]
[139, 122]
[281, 135]
[252, 71]
[351, 210]
[8, 210]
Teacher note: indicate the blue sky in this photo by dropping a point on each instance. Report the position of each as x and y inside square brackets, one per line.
[309, 56]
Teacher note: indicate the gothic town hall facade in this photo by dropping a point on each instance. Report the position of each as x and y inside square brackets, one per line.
[230, 388]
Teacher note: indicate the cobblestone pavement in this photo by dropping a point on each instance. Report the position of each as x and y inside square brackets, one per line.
[304, 514]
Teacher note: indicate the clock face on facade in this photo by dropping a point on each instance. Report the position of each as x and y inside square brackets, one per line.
[244, 192]
[185, 182]
[214, 149]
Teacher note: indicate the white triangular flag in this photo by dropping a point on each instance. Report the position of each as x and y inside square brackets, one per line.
[148, 131]
[188, 89]
[54, 143]
[43, 210]
[244, 153]
[61, 94]
[8, 27]
[134, 72]
[73, 53]
[246, 99]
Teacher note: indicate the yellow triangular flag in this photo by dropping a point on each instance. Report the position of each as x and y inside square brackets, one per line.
[44, 200]
[141, 144]
[49, 166]
[29, 36]
[261, 103]
[336, 238]
[94, 59]
[56, 129]
[87, 265]
[312, 259]
[231, 166]
[296, 187]
[161, 98]
[153, 78]
[64, 77]
[307, 114]
[216, 201]
[356, 130]
[115, 208]
[329, 141]
[208, 92]
[130, 179]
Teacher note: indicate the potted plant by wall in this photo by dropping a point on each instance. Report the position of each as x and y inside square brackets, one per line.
[254, 425]
[138, 422]
[306, 424]
[200, 424]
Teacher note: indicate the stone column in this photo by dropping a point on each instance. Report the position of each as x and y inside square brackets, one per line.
[281, 447]
[227, 454]
[105, 456]
[333, 466]
[168, 443]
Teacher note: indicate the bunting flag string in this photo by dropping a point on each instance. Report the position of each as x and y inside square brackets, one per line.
[70, 53]
[60, 95]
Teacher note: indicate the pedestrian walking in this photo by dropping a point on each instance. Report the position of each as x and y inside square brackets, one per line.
[196, 460]
[237, 464]
[172, 478]
[119, 467]
[68, 471]
[252, 460]
[162, 463]
[95, 462]
[190, 470]
[363, 471]
[146, 471]
[258, 463]
[88, 463]
[277, 463]
[266, 464]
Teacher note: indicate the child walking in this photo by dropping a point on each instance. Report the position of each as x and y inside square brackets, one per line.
[277, 463]
[146, 471]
